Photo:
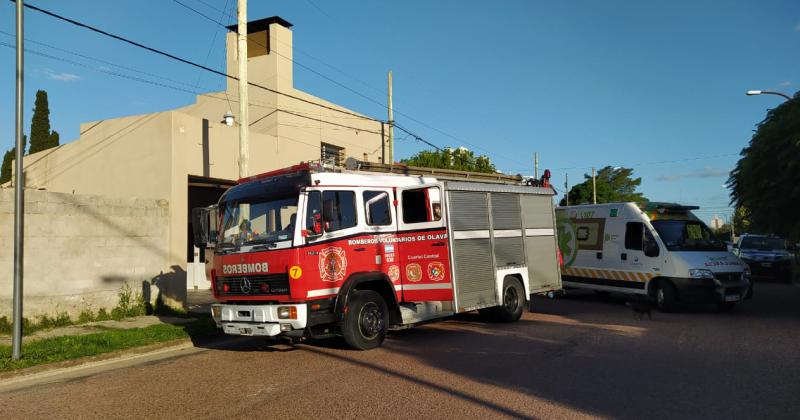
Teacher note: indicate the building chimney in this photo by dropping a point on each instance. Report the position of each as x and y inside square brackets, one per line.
[269, 51]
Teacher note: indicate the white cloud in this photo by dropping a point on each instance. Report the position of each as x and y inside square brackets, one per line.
[62, 76]
[785, 83]
[797, 27]
[706, 172]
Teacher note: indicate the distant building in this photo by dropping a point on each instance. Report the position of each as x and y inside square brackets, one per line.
[189, 157]
[716, 222]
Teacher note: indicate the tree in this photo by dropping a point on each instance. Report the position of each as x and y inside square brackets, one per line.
[41, 136]
[614, 185]
[461, 159]
[766, 179]
[8, 161]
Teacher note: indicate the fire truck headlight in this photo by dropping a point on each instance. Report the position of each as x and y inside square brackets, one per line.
[287, 312]
[216, 311]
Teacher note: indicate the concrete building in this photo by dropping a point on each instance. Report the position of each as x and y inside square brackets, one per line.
[188, 157]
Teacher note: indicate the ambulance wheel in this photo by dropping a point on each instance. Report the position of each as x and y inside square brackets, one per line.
[365, 320]
[666, 296]
[513, 303]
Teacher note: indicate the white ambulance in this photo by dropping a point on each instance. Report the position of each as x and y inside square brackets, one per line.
[658, 250]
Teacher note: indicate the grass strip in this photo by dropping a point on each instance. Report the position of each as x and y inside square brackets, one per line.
[57, 349]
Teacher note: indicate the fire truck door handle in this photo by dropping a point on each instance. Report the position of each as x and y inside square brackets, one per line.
[624, 256]
[599, 255]
[360, 249]
[438, 244]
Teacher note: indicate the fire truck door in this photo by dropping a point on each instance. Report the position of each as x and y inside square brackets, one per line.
[380, 217]
[422, 245]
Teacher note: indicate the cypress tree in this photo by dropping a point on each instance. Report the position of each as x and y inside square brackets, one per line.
[53, 140]
[40, 124]
[8, 161]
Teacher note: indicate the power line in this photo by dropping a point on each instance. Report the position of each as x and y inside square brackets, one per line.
[98, 60]
[420, 139]
[185, 61]
[113, 73]
[180, 89]
[379, 103]
[320, 9]
[661, 162]
[213, 43]
[257, 42]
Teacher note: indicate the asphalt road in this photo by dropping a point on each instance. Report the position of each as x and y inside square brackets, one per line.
[577, 356]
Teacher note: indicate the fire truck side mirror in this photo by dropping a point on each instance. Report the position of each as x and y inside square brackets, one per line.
[204, 226]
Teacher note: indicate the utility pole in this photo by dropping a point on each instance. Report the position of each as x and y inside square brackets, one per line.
[566, 188]
[536, 165]
[594, 187]
[733, 227]
[19, 198]
[244, 102]
[391, 122]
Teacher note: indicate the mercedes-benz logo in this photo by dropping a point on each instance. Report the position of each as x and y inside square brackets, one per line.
[245, 286]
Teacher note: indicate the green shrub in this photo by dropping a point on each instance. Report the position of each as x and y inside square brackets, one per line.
[103, 315]
[86, 316]
[5, 325]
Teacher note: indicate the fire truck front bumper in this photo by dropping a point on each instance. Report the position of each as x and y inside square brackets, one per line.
[262, 320]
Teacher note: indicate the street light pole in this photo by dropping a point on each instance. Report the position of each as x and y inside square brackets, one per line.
[766, 92]
[19, 198]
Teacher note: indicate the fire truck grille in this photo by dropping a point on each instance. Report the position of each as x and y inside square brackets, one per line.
[269, 285]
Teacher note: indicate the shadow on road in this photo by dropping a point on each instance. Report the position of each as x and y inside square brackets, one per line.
[591, 354]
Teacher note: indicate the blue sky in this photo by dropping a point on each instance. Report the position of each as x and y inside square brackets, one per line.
[657, 86]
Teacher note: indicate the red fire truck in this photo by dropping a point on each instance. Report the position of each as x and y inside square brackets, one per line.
[309, 251]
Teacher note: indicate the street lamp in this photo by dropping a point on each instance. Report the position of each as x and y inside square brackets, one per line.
[228, 119]
[766, 92]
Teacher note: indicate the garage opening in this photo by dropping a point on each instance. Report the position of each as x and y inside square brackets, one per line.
[202, 192]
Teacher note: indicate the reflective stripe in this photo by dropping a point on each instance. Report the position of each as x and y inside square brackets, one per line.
[471, 234]
[322, 292]
[539, 232]
[507, 233]
[437, 286]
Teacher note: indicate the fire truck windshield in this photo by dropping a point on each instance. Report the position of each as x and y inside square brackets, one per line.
[254, 221]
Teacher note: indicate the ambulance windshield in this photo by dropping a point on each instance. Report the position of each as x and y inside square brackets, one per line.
[687, 235]
[258, 221]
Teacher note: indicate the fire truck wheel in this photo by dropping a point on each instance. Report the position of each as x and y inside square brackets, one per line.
[365, 322]
[513, 303]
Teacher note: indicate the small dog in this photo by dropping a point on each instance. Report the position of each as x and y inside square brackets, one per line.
[641, 307]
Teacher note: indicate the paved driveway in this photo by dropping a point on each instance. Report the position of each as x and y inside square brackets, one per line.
[577, 356]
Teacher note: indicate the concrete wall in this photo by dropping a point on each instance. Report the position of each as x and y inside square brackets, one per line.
[80, 249]
[152, 155]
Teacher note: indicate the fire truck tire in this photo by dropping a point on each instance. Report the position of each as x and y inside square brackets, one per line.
[513, 303]
[365, 320]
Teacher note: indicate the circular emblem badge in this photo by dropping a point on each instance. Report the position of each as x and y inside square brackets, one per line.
[394, 273]
[436, 271]
[567, 241]
[332, 264]
[413, 272]
[245, 285]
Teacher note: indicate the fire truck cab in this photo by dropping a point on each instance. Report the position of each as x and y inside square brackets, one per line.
[309, 251]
